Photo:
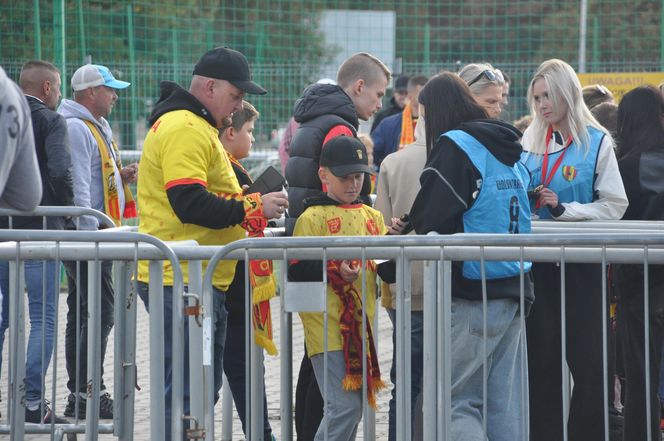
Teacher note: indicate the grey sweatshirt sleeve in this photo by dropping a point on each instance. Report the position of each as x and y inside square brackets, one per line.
[23, 188]
[82, 151]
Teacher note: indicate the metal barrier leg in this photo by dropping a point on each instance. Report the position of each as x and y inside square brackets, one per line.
[286, 359]
[226, 411]
[257, 417]
[125, 352]
[430, 373]
[196, 368]
[94, 350]
[208, 360]
[157, 405]
[403, 352]
[17, 349]
[445, 355]
[177, 379]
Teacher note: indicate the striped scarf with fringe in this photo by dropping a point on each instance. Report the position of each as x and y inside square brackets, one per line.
[351, 331]
[261, 277]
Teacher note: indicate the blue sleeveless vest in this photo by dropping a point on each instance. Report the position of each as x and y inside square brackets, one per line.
[501, 206]
[575, 178]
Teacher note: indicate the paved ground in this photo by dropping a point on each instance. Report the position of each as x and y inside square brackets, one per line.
[142, 416]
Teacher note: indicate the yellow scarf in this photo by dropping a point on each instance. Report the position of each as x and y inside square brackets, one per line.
[111, 198]
[407, 129]
[261, 277]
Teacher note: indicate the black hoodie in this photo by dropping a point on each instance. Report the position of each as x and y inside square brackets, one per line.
[192, 203]
[451, 191]
[440, 204]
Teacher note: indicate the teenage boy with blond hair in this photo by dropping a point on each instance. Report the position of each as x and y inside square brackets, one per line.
[326, 111]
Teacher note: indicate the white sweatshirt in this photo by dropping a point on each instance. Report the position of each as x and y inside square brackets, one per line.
[612, 200]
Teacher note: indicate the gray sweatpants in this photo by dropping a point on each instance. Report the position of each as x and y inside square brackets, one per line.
[344, 408]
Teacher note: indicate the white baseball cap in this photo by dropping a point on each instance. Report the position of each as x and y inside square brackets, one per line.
[93, 75]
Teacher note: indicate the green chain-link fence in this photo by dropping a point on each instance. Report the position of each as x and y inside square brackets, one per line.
[292, 43]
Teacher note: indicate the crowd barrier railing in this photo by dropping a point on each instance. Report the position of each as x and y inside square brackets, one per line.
[600, 244]
[125, 248]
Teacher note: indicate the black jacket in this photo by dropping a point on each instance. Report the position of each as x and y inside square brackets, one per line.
[642, 177]
[192, 203]
[54, 158]
[447, 194]
[321, 107]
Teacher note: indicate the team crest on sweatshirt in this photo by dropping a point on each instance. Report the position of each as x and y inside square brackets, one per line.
[372, 227]
[569, 172]
[334, 225]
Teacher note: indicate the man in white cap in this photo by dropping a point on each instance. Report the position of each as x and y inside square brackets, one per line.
[100, 182]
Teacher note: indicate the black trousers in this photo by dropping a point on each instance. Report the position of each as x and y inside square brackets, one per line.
[584, 353]
[308, 402]
[78, 373]
[630, 324]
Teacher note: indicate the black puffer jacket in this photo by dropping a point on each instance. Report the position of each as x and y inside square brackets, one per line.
[54, 157]
[321, 107]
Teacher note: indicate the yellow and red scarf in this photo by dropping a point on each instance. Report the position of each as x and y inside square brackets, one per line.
[111, 197]
[261, 278]
[407, 127]
[351, 331]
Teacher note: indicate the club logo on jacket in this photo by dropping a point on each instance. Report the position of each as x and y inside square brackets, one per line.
[569, 172]
[334, 225]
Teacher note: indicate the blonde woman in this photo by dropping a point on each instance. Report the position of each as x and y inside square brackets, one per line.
[486, 84]
[574, 177]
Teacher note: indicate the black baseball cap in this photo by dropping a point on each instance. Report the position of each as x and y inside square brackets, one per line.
[344, 155]
[227, 64]
[401, 83]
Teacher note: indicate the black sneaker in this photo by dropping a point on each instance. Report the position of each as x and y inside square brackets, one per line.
[34, 416]
[105, 407]
[70, 408]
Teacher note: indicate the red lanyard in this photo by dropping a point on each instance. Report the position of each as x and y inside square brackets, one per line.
[546, 178]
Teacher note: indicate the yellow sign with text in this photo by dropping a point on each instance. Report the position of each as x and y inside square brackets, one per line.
[619, 83]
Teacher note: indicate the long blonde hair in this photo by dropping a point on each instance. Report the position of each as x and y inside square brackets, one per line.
[563, 86]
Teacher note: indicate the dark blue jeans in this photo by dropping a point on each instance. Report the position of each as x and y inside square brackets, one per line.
[416, 366]
[220, 315]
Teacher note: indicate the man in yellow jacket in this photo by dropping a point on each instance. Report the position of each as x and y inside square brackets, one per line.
[187, 188]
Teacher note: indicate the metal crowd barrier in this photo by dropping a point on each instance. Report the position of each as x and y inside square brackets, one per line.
[600, 244]
[125, 248]
[643, 244]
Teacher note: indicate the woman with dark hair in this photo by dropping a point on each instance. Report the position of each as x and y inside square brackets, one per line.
[473, 182]
[641, 162]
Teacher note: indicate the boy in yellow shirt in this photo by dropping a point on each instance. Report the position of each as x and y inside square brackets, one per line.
[343, 165]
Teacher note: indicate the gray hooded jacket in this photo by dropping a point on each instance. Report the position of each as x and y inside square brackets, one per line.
[86, 161]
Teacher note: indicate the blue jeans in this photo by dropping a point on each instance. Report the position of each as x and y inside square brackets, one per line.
[416, 366]
[42, 310]
[220, 315]
[505, 377]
